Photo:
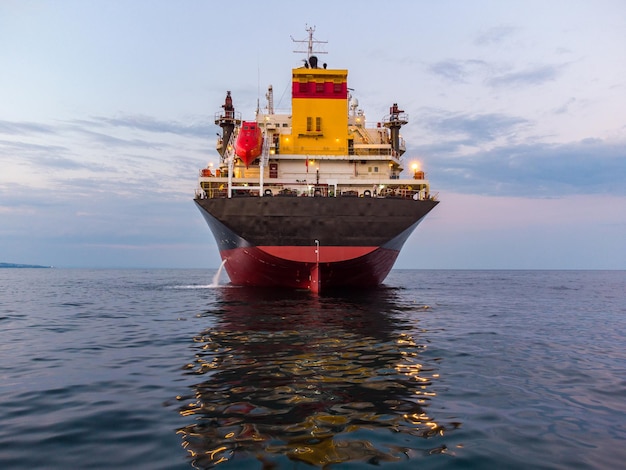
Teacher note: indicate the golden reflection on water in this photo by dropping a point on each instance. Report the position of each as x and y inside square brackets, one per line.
[317, 380]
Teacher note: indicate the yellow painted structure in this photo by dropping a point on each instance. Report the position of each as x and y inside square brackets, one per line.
[319, 106]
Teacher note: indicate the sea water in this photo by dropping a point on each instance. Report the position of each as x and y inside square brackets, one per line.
[435, 369]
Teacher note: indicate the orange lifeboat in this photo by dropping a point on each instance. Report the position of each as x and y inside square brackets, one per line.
[249, 143]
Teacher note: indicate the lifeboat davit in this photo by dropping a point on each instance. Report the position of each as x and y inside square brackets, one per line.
[249, 143]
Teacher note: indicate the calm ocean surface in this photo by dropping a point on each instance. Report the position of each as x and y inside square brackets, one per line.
[159, 369]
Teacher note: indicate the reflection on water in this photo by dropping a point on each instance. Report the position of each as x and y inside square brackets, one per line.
[320, 380]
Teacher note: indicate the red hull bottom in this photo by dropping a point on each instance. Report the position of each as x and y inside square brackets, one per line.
[360, 267]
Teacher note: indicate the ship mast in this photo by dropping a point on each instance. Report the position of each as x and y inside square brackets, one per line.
[227, 120]
[396, 119]
[270, 100]
[310, 42]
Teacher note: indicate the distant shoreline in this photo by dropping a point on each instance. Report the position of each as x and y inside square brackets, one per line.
[15, 265]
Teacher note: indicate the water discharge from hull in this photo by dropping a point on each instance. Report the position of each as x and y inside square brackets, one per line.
[216, 277]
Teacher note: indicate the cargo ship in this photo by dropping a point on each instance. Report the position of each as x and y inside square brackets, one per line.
[312, 198]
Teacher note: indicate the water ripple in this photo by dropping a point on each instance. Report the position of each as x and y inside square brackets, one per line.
[278, 382]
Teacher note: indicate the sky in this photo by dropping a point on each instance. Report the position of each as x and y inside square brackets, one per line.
[517, 113]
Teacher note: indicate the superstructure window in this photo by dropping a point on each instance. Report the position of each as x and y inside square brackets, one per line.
[318, 124]
[319, 87]
[309, 124]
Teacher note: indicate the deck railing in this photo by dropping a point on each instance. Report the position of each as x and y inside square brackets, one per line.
[209, 192]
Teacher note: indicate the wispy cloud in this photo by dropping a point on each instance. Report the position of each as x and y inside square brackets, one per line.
[495, 35]
[197, 128]
[110, 140]
[458, 71]
[534, 170]
[22, 128]
[104, 157]
[535, 75]
[565, 107]
[474, 129]
[494, 74]
[21, 147]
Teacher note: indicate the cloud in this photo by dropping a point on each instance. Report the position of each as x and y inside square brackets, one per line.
[565, 107]
[489, 154]
[536, 75]
[495, 35]
[21, 148]
[534, 170]
[473, 129]
[21, 128]
[457, 71]
[102, 158]
[150, 124]
[114, 141]
[452, 70]
[494, 75]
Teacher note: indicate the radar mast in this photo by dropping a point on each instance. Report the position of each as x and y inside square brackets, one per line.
[310, 42]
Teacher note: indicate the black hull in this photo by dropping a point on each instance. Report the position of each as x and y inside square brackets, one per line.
[300, 221]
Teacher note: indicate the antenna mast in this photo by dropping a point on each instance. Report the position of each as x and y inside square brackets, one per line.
[311, 41]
